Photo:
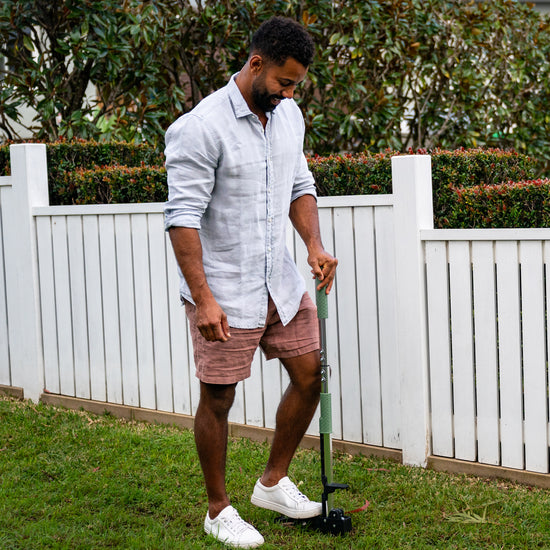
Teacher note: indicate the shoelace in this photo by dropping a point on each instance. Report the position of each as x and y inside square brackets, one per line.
[235, 523]
[293, 492]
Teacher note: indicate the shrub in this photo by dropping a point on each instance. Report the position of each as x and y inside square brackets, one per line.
[471, 167]
[135, 173]
[369, 174]
[64, 157]
[116, 184]
[520, 204]
[360, 174]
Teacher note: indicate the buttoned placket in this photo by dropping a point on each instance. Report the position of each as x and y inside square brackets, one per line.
[269, 200]
[266, 135]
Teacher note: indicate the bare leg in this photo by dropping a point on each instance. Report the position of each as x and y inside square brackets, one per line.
[294, 414]
[211, 441]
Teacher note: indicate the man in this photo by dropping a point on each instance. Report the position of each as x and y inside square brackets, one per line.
[236, 172]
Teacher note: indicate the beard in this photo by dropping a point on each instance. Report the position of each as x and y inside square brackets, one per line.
[263, 99]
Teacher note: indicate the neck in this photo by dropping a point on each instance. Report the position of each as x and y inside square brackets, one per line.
[244, 82]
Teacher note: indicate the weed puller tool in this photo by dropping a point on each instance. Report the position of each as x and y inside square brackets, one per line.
[332, 520]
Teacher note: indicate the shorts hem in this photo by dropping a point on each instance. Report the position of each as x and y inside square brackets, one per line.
[293, 353]
[206, 379]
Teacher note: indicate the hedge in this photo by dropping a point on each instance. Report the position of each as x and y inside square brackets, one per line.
[88, 172]
[115, 184]
[510, 204]
[368, 174]
[64, 157]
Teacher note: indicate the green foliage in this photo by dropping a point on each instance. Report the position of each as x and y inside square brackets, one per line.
[464, 168]
[66, 157]
[115, 184]
[83, 172]
[359, 174]
[53, 50]
[364, 173]
[388, 73]
[521, 204]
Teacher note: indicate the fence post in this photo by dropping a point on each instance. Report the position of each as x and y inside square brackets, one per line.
[29, 188]
[413, 211]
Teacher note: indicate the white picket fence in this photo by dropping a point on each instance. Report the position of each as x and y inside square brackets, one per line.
[438, 339]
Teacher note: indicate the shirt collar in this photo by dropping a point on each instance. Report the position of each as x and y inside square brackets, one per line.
[239, 104]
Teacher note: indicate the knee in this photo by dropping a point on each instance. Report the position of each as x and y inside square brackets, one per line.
[308, 379]
[217, 398]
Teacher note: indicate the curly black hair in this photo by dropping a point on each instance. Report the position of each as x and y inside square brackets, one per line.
[279, 38]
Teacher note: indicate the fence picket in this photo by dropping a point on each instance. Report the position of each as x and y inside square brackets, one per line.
[63, 303]
[5, 370]
[534, 357]
[326, 221]
[253, 393]
[367, 326]
[48, 305]
[389, 361]
[487, 405]
[111, 314]
[462, 350]
[159, 311]
[125, 275]
[509, 338]
[94, 307]
[78, 307]
[350, 381]
[437, 283]
[143, 313]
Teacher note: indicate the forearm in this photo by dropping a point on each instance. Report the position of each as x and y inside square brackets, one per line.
[188, 251]
[211, 319]
[305, 219]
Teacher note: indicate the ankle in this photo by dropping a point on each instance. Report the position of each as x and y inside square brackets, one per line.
[272, 478]
[215, 508]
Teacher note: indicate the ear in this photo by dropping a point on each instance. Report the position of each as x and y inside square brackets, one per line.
[256, 63]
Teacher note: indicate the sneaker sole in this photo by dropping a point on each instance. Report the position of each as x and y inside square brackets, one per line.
[236, 545]
[288, 512]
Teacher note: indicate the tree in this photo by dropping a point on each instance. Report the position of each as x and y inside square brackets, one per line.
[387, 73]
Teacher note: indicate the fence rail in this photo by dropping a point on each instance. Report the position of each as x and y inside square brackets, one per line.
[438, 339]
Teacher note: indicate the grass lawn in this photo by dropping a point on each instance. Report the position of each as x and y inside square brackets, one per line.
[72, 480]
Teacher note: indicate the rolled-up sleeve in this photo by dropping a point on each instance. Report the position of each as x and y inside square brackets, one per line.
[304, 184]
[191, 161]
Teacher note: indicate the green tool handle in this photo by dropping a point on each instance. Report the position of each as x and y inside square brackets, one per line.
[322, 303]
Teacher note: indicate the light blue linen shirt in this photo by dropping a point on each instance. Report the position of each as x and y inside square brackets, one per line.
[234, 182]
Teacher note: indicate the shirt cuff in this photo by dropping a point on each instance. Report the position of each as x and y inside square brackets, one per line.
[192, 221]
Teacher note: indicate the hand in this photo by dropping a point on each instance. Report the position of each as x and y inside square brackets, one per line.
[212, 321]
[323, 267]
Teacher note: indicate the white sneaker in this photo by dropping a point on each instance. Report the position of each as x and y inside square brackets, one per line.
[286, 499]
[228, 527]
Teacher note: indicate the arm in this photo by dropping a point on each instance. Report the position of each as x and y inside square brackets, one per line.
[211, 319]
[305, 219]
[191, 159]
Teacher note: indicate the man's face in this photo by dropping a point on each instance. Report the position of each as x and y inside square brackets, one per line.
[275, 83]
